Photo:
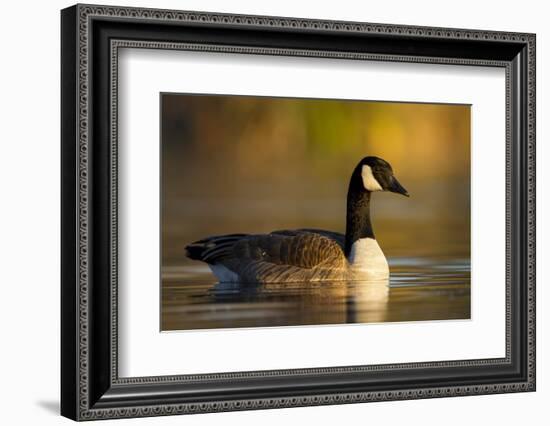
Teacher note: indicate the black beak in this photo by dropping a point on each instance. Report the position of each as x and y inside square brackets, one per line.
[396, 187]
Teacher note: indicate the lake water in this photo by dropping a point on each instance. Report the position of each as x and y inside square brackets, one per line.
[419, 289]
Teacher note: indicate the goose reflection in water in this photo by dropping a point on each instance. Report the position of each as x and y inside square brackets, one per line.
[325, 302]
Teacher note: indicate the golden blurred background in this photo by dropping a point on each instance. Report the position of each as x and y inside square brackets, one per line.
[255, 164]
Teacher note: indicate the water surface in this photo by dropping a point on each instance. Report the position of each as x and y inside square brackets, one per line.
[419, 289]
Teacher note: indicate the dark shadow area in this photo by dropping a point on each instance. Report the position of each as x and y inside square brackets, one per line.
[51, 407]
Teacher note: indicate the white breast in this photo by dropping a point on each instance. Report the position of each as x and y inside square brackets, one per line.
[367, 260]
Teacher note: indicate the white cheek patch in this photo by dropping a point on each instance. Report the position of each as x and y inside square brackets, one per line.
[369, 181]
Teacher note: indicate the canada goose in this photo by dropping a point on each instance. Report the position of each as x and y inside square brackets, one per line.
[304, 255]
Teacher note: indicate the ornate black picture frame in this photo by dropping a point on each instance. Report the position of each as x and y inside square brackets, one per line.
[91, 37]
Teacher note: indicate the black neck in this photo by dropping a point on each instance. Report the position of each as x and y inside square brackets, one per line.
[358, 223]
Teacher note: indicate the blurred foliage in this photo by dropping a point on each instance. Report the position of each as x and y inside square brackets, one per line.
[256, 133]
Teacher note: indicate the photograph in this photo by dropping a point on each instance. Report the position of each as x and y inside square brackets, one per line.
[281, 211]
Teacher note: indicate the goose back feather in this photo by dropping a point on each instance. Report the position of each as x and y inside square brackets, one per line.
[280, 256]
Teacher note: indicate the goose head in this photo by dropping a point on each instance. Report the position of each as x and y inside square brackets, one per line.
[375, 174]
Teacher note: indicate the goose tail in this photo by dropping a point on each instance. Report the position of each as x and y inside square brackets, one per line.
[195, 250]
[212, 249]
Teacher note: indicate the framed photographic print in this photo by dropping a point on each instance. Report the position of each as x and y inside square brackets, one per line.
[263, 212]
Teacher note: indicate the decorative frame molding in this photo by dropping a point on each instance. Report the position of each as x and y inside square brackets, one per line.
[91, 37]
